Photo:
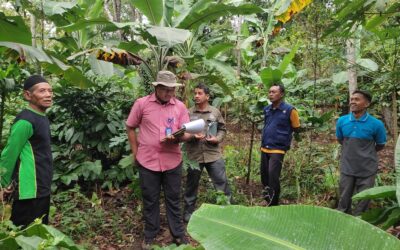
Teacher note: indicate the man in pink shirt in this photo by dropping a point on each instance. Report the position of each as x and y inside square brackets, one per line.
[158, 155]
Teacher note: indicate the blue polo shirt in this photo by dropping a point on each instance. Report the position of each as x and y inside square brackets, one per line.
[360, 137]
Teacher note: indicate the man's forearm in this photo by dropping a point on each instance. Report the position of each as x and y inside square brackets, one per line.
[132, 138]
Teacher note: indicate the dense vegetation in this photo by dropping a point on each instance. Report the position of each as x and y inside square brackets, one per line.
[101, 55]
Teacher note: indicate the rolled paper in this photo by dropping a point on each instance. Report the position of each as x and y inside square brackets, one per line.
[195, 126]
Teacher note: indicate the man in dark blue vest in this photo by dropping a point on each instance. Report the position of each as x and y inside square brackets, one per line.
[280, 121]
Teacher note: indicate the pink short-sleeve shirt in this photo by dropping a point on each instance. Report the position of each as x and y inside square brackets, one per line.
[153, 119]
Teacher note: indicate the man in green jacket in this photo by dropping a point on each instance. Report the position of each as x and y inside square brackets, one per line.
[26, 164]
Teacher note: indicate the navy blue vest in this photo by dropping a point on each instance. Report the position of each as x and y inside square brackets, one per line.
[277, 132]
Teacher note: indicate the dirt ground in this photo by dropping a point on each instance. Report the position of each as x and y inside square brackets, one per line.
[119, 202]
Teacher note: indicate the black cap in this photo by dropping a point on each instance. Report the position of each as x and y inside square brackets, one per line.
[32, 80]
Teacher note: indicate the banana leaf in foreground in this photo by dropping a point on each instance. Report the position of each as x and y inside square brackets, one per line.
[284, 227]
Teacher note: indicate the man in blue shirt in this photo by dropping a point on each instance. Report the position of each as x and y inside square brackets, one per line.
[361, 136]
[280, 121]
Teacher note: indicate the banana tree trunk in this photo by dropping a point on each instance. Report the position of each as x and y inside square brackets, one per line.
[394, 114]
[2, 105]
[253, 129]
[351, 62]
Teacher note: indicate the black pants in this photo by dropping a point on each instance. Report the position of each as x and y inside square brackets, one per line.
[151, 183]
[350, 185]
[24, 212]
[216, 171]
[270, 171]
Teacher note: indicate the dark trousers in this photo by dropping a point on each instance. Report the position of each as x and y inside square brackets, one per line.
[349, 185]
[270, 171]
[151, 183]
[216, 171]
[24, 212]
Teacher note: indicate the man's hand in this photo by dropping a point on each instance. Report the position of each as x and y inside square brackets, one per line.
[200, 136]
[212, 140]
[170, 139]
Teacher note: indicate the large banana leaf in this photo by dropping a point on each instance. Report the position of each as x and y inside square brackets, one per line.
[51, 8]
[376, 192]
[168, 37]
[288, 8]
[107, 25]
[13, 29]
[284, 227]
[206, 10]
[397, 162]
[152, 9]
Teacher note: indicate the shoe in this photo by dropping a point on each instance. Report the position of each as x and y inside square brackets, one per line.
[147, 243]
[182, 240]
[186, 217]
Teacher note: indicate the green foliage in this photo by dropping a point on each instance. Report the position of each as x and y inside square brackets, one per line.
[35, 236]
[376, 193]
[284, 227]
[90, 138]
[13, 29]
[153, 10]
[78, 214]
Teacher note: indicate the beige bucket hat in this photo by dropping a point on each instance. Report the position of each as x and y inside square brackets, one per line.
[166, 78]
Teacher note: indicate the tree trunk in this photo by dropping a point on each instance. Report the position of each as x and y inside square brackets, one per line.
[2, 105]
[117, 15]
[253, 129]
[394, 114]
[351, 62]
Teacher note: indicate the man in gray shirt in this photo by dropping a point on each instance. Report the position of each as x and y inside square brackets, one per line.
[204, 148]
[361, 136]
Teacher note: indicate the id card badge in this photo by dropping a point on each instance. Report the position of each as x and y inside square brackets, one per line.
[168, 131]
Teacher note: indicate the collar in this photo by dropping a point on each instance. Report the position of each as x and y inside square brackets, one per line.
[363, 118]
[35, 111]
[207, 110]
[153, 98]
[281, 106]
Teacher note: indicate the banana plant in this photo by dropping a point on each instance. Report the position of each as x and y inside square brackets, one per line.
[284, 227]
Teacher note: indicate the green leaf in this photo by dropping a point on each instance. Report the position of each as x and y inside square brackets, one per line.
[368, 64]
[152, 9]
[168, 37]
[126, 161]
[246, 43]
[133, 46]
[340, 77]
[284, 227]
[13, 29]
[204, 11]
[69, 134]
[51, 8]
[101, 68]
[397, 166]
[224, 69]
[99, 126]
[382, 17]
[218, 48]
[392, 219]
[288, 58]
[107, 25]
[376, 192]
[32, 54]
[76, 78]
[387, 33]
[28, 243]
[269, 76]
